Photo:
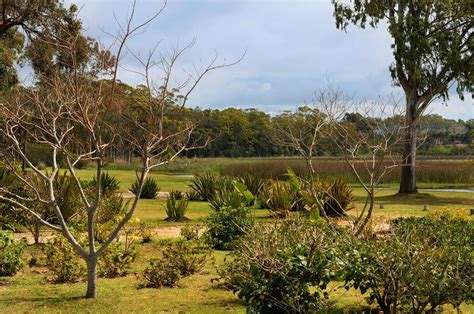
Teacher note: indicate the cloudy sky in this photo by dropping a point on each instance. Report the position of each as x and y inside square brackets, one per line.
[292, 49]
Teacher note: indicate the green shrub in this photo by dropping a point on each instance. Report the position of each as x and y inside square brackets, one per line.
[423, 264]
[108, 184]
[206, 184]
[279, 198]
[110, 209]
[10, 255]
[177, 194]
[190, 232]
[161, 272]
[176, 207]
[63, 263]
[150, 188]
[225, 227]
[253, 183]
[281, 268]
[189, 256]
[192, 196]
[224, 197]
[338, 198]
[116, 260]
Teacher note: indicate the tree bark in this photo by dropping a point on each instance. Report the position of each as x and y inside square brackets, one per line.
[408, 172]
[91, 277]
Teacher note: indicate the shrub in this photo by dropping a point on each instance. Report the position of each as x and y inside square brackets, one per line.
[422, 264]
[190, 232]
[110, 209]
[338, 198]
[193, 196]
[253, 183]
[161, 272]
[279, 198]
[224, 197]
[189, 256]
[10, 255]
[63, 262]
[150, 188]
[207, 183]
[281, 268]
[226, 226]
[108, 184]
[116, 260]
[176, 207]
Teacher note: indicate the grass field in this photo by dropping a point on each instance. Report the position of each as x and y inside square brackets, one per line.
[28, 292]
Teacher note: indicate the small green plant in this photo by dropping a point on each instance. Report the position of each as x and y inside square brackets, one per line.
[161, 272]
[253, 183]
[279, 198]
[206, 184]
[338, 198]
[108, 184]
[116, 260]
[225, 227]
[189, 256]
[150, 188]
[193, 196]
[190, 232]
[63, 263]
[10, 255]
[176, 207]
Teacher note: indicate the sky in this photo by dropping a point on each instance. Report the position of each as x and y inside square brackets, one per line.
[292, 49]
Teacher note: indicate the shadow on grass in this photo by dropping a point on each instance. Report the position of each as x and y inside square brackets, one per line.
[420, 199]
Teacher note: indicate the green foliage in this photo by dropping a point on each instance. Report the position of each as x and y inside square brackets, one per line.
[176, 206]
[253, 183]
[190, 232]
[63, 263]
[110, 209]
[10, 255]
[116, 260]
[161, 272]
[150, 188]
[108, 184]
[282, 268]
[225, 227]
[422, 264]
[338, 198]
[281, 197]
[206, 184]
[189, 256]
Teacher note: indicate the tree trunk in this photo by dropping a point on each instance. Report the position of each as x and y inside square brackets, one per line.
[91, 277]
[408, 175]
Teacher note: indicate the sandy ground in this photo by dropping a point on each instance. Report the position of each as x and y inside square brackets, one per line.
[160, 233]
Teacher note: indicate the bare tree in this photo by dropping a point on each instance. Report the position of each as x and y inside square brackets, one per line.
[70, 112]
[368, 135]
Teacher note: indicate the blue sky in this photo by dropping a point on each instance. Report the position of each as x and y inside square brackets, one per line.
[293, 48]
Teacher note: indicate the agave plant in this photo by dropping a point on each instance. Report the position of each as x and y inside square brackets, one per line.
[338, 198]
[176, 206]
[108, 184]
[150, 188]
[206, 184]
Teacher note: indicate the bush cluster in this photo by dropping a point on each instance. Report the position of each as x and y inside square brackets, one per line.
[11, 252]
[418, 266]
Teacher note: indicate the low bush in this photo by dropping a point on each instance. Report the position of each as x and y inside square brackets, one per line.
[422, 264]
[190, 232]
[189, 256]
[281, 268]
[280, 198]
[176, 206]
[150, 188]
[10, 255]
[161, 272]
[225, 227]
[63, 263]
[116, 260]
